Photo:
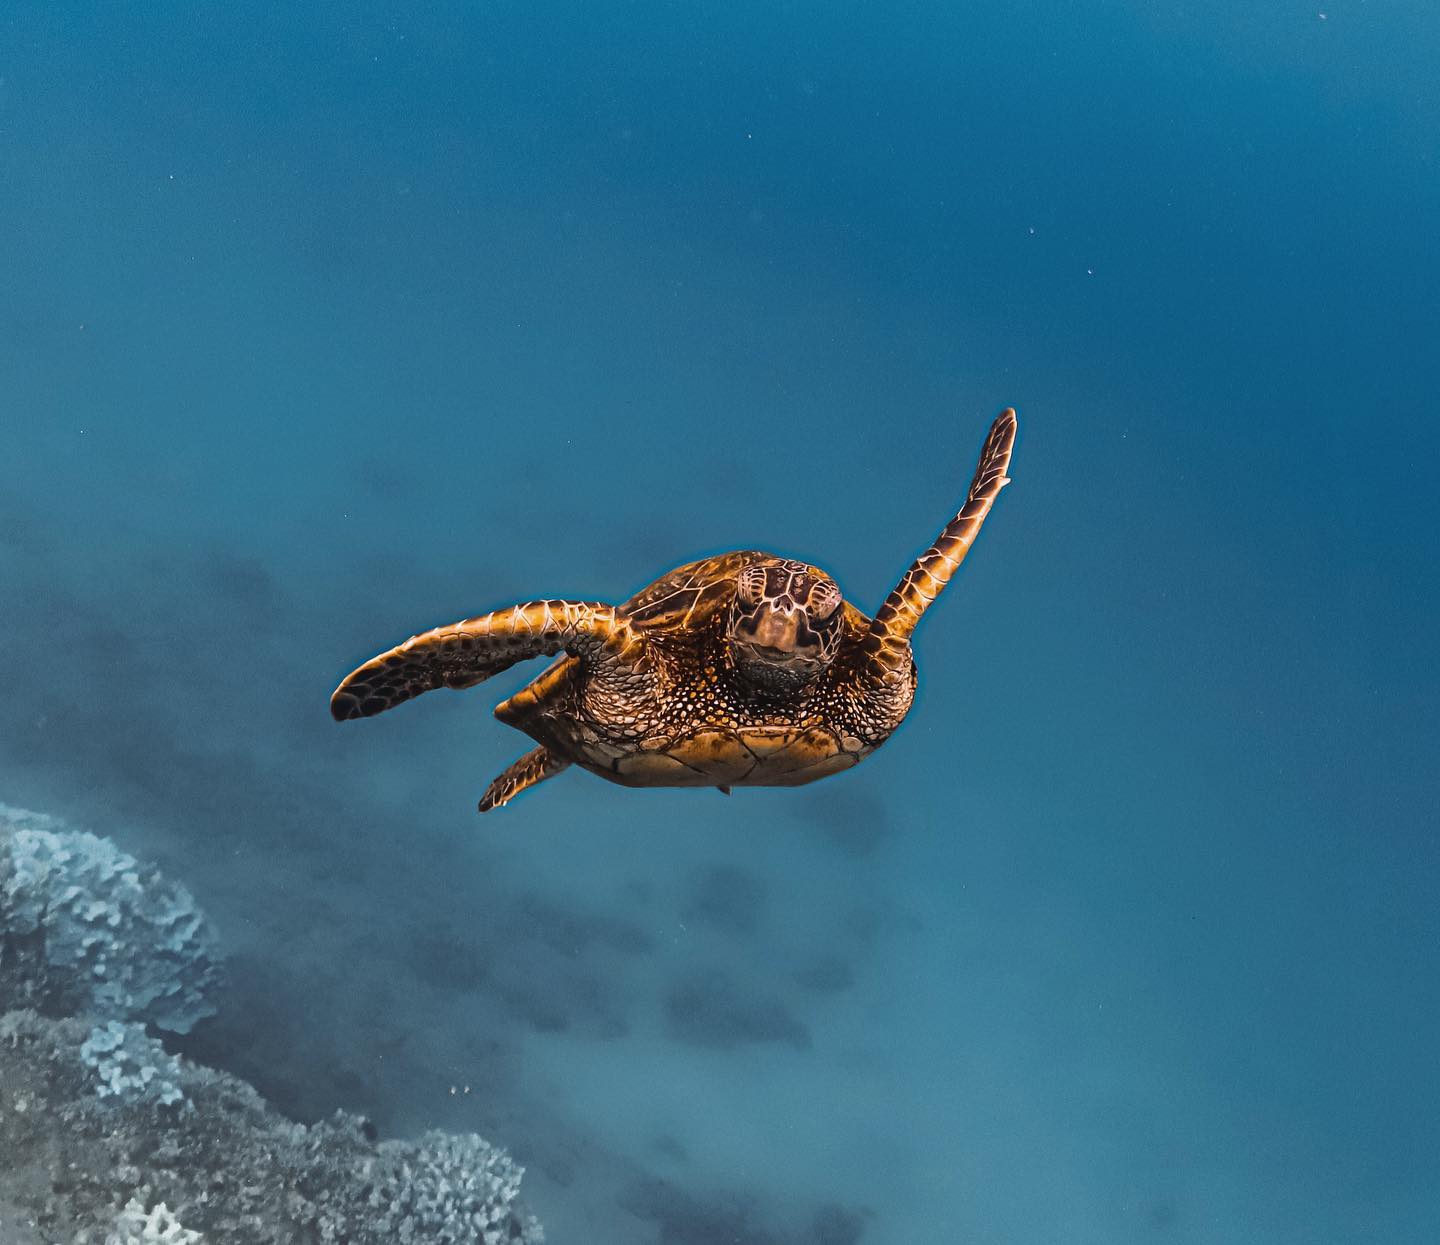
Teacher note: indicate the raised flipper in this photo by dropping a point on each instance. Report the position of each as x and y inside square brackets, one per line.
[468, 652]
[890, 631]
[535, 766]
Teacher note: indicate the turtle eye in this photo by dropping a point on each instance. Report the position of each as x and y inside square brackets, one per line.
[751, 585]
[825, 599]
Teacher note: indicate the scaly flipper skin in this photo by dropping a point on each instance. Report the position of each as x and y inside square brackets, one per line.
[466, 653]
[886, 648]
[535, 766]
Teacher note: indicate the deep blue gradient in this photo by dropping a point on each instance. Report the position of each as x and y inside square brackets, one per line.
[322, 324]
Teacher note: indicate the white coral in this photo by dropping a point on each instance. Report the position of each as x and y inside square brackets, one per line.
[131, 1064]
[135, 945]
[136, 1226]
[445, 1189]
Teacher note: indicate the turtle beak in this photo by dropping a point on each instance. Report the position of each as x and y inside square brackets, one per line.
[776, 633]
[776, 645]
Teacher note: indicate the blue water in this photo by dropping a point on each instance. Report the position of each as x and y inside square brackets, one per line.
[323, 324]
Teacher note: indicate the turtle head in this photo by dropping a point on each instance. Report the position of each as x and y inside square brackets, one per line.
[785, 624]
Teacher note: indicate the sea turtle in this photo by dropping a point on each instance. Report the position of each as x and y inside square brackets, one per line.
[743, 669]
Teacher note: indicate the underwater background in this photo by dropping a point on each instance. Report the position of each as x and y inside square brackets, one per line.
[323, 324]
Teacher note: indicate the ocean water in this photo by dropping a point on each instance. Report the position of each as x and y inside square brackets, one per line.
[323, 324]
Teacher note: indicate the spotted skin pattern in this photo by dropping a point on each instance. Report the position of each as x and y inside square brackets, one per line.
[665, 690]
[702, 723]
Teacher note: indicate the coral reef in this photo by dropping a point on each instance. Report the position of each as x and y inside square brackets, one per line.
[87, 929]
[108, 1139]
[131, 1064]
[227, 1166]
[444, 1188]
[136, 1226]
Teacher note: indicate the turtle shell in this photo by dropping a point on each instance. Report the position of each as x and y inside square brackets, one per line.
[739, 756]
[728, 742]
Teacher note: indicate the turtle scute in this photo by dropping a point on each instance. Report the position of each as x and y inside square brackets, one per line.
[738, 757]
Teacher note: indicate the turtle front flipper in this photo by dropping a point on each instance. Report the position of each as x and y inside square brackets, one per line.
[469, 652]
[890, 631]
[535, 766]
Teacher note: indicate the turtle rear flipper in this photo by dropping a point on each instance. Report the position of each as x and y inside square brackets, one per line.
[535, 766]
[466, 653]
